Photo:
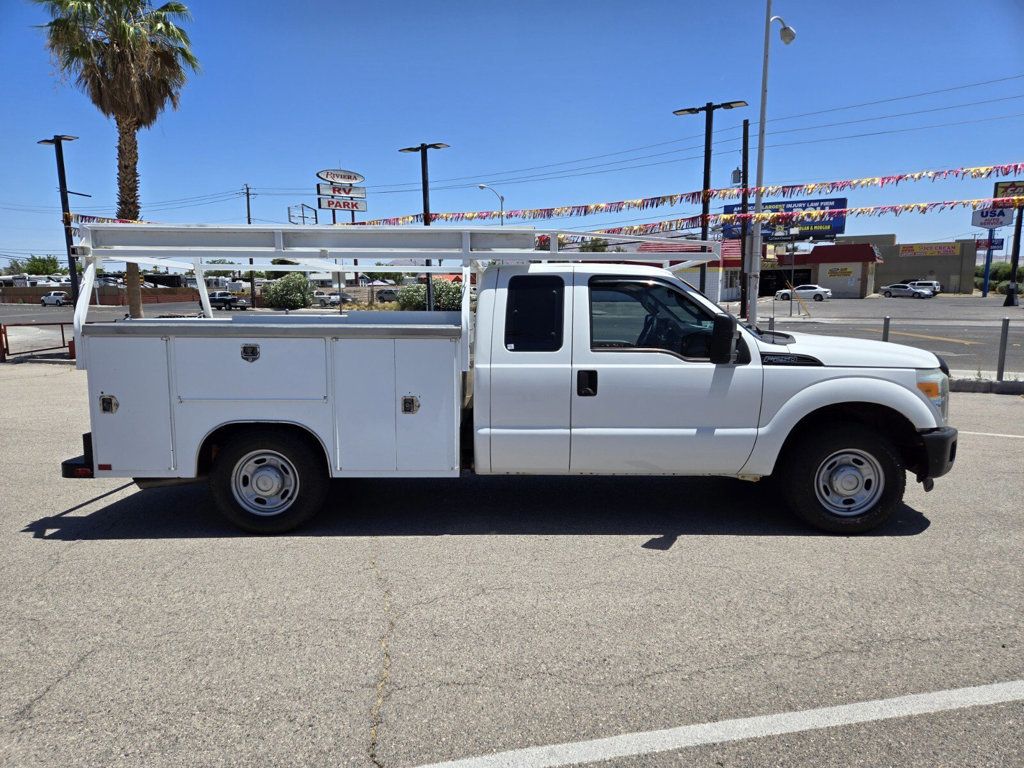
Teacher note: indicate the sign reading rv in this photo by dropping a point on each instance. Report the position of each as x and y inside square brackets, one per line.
[340, 204]
[340, 176]
[340, 190]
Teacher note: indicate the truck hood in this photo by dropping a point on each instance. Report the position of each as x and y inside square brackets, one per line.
[842, 351]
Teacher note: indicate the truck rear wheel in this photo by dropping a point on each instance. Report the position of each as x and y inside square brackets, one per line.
[848, 480]
[265, 481]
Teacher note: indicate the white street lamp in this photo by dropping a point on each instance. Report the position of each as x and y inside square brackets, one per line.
[787, 35]
[501, 200]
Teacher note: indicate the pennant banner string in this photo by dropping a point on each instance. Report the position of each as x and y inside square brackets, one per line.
[728, 193]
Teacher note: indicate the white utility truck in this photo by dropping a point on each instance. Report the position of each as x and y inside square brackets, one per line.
[568, 365]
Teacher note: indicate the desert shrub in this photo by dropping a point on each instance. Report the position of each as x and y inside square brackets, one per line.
[290, 292]
[447, 296]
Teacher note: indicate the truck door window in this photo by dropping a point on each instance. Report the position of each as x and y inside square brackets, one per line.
[633, 314]
[534, 313]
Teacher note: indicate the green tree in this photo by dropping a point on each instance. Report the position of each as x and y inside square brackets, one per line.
[217, 272]
[383, 277]
[594, 245]
[272, 275]
[131, 60]
[291, 292]
[43, 265]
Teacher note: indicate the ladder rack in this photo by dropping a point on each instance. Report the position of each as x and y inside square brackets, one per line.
[338, 249]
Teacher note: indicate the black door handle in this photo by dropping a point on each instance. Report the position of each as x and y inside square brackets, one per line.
[586, 383]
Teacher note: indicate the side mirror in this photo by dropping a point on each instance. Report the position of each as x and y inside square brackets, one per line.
[724, 336]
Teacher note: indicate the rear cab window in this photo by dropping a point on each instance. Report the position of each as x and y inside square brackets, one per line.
[534, 313]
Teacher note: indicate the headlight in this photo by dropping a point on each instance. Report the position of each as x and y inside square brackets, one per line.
[935, 386]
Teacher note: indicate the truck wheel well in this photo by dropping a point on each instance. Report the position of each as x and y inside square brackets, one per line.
[883, 419]
[226, 432]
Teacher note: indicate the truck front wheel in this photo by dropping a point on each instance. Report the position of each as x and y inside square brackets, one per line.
[266, 481]
[847, 480]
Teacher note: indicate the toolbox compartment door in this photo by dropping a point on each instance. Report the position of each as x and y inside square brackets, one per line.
[129, 406]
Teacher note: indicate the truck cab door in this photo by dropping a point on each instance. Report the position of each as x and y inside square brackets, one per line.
[529, 373]
[646, 398]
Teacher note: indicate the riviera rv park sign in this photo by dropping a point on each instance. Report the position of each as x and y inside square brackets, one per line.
[339, 193]
[340, 176]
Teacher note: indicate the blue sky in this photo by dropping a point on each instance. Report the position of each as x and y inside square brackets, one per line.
[288, 88]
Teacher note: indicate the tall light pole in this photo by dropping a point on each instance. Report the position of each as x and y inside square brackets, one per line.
[65, 207]
[705, 208]
[425, 177]
[501, 200]
[787, 34]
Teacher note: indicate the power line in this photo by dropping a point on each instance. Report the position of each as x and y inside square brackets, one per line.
[725, 129]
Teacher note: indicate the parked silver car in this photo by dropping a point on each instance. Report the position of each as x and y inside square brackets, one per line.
[905, 289]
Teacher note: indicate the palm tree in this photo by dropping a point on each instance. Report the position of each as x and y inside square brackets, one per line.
[132, 60]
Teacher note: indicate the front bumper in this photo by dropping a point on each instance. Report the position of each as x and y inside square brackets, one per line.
[939, 450]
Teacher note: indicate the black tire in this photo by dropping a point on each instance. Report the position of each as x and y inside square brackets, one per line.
[784, 297]
[818, 297]
[798, 469]
[310, 479]
[42, 303]
[888, 294]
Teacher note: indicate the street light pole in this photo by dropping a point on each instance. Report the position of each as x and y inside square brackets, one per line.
[65, 207]
[501, 200]
[788, 35]
[425, 181]
[705, 208]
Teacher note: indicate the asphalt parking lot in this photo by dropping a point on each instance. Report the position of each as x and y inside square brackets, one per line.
[417, 622]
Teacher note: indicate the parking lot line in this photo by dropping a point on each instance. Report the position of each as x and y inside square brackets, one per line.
[990, 434]
[935, 338]
[649, 742]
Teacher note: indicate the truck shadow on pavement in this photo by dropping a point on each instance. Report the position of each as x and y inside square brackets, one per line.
[661, 508]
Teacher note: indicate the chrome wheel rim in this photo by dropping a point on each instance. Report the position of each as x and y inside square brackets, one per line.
[849, 482]
[265, 483]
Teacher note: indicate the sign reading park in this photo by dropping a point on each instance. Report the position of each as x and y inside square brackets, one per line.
[340, 176]
[340, 204]
[824, 229]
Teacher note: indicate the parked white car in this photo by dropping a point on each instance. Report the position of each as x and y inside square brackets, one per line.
[55, 299]
[908, 290]
[816, 292]
[927, 285]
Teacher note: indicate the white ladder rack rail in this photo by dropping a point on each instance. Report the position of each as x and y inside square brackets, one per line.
[338, 248]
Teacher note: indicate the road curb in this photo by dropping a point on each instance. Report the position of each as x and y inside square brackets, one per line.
[987, 386]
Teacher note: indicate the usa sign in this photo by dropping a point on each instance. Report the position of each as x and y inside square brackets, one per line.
[992, 218]
[340, 190]
[340, 204]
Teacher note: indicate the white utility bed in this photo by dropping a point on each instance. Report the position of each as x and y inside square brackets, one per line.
[345, 378]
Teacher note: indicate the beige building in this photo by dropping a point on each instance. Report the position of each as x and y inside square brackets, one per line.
[951, 263]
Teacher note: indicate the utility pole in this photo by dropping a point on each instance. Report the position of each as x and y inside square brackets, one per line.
[248, 220]
[65, 207]
[787, 34]
[744, 224]
[1011, 290]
